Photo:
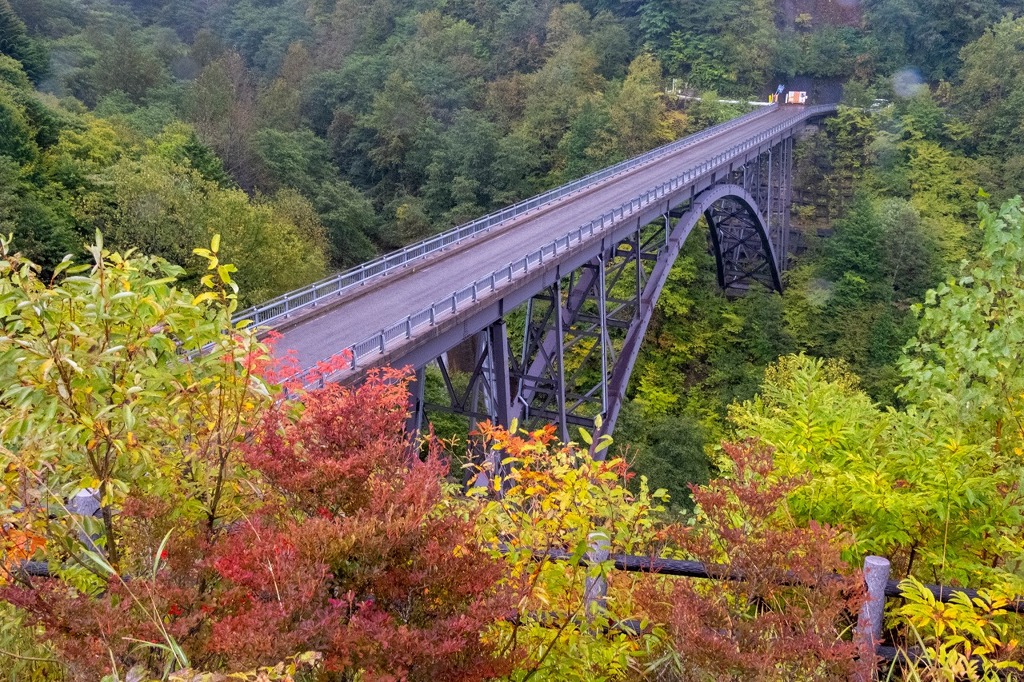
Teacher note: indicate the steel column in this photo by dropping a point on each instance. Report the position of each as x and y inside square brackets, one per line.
[560, 360]
[415, 421]
[501, 384]
[602, 308]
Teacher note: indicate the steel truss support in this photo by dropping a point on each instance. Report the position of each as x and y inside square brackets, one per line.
[601, 312]
[769, 179]
[575, 331]
[487, 393]
[742, 247]
[582, 333]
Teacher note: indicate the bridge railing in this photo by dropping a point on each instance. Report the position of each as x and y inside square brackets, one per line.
[276, 309]
[378, 343]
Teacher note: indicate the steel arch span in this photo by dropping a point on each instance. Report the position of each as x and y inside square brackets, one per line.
[583, 333]
[606, 308]
[740, 240]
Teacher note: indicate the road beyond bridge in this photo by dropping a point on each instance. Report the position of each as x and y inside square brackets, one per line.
[585, 264]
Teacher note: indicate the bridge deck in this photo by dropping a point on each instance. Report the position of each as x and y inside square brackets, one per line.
[356, 316]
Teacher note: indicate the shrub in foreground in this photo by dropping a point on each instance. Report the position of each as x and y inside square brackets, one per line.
[238, 533]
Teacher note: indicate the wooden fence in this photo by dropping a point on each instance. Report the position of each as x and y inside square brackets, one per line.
[867, 633]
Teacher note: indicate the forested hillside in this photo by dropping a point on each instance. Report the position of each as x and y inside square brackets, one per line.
[393, 120]
[203, 155]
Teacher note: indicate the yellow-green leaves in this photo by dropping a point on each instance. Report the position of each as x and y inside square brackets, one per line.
[964, 636]
[97, 392]
[223, 288]
[204, 297]
[911, 485]
[965, 359]
[557, 500]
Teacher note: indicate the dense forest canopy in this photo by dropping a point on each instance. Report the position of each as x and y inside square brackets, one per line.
[394, 120]
[291, 138]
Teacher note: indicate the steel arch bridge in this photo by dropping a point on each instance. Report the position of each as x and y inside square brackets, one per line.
[584, 295]
[582, 332]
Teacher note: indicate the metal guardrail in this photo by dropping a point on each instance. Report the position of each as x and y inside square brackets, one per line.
[378, 343]
[276, 309]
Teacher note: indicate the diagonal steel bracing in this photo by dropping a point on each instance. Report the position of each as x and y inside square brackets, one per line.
[742, 246]
[570, 357]
[582, 331]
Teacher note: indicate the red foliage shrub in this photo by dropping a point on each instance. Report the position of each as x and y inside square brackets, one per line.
[85, 631]
[359, 554]
[328, 461]
[786, 618]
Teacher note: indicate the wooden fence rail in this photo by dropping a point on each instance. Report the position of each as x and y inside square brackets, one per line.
[696, 569]
[867, 633]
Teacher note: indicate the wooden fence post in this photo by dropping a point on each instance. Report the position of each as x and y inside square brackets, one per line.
[596, 588]
[868, 632]
[87, 503]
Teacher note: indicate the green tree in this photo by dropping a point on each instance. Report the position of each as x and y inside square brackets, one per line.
[42, 227]
[301, 161]
[699, 59]
[928, 35]
[179, 143]
[728, 46]
[443, 59]
[637, 110]
[397, 125]
[910, 485]
[965, 360]
[15, 43]
[15, 135]
[31, 207]
[855, 248]
[262, 32]
[912, 262]
[99, 398]
[162, 208]
[221, 106]
[589, 143]
[667, 449]
[657, 21]
[125, 64]
[990, 95]
[555, 94]
[461, 174]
